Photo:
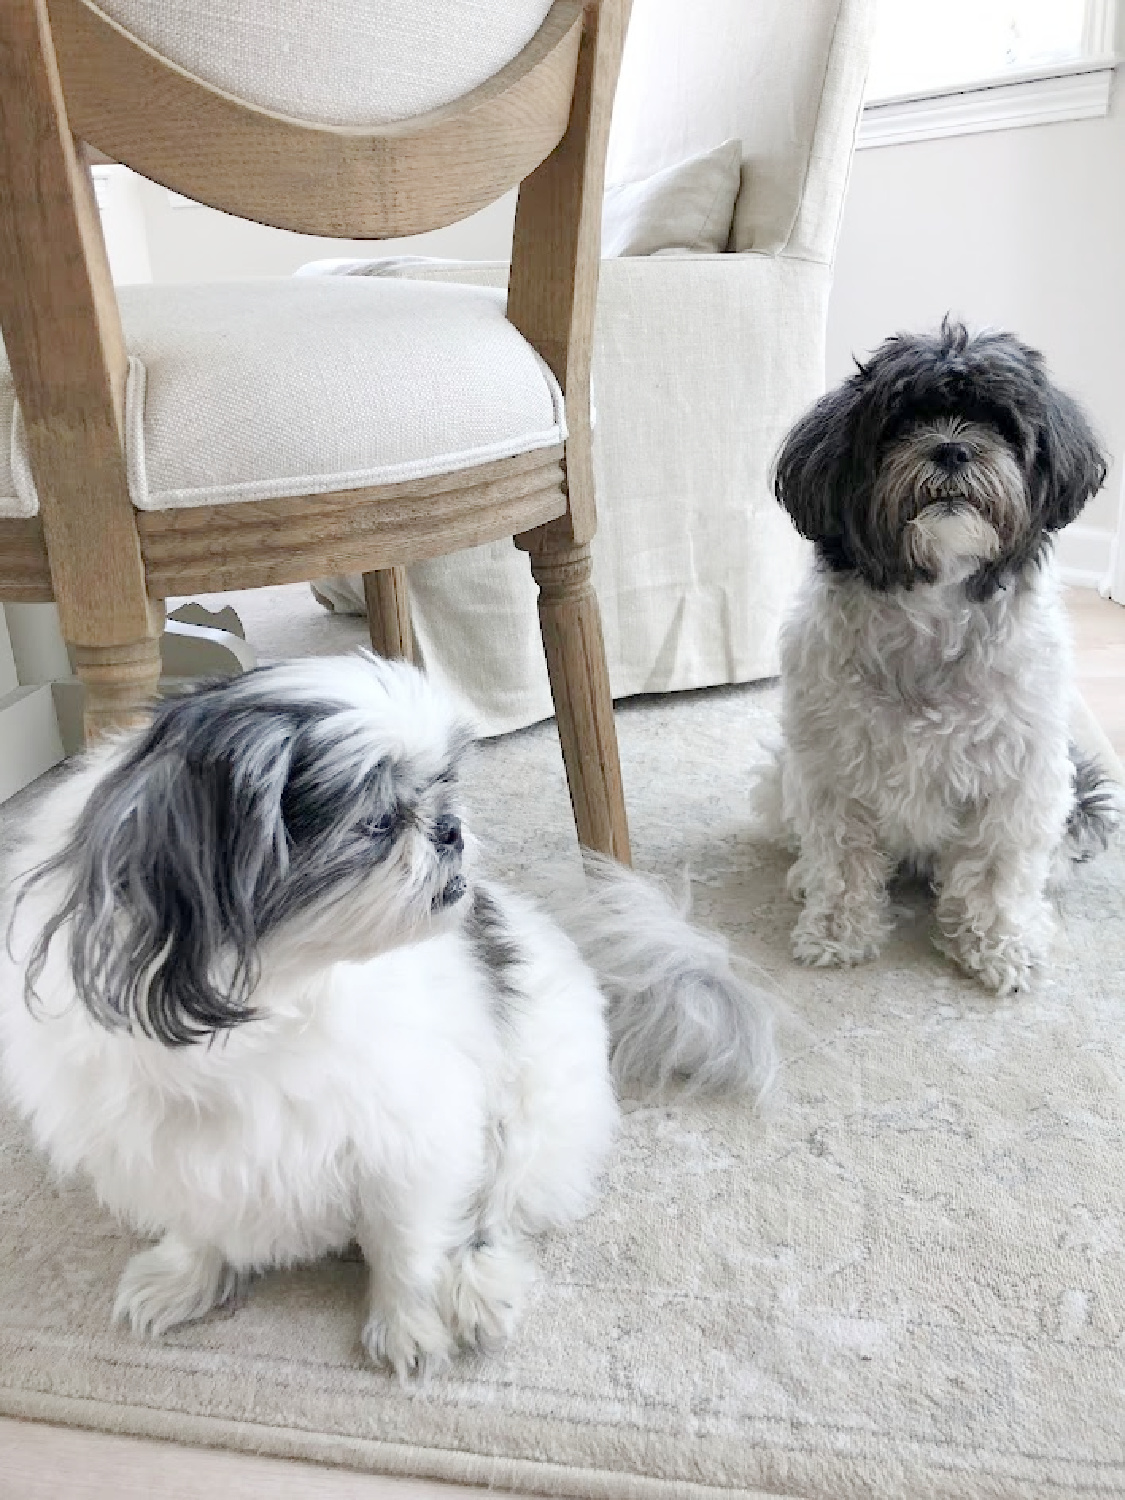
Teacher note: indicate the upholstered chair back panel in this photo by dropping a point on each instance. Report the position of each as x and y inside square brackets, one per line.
[347, 62]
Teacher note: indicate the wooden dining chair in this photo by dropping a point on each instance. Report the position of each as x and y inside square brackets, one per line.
[172, 439]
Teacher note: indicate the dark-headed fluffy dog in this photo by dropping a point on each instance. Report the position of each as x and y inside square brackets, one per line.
[926, 667]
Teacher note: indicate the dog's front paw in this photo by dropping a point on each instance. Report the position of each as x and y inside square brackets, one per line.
[411, 1340]
[484, 1293]
[170, 1284]
[835, 939]
[1002, 963]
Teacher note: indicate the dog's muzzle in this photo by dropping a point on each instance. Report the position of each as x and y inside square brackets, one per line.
[451, 892]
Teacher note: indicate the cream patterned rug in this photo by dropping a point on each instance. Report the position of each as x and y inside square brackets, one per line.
[905, 1280]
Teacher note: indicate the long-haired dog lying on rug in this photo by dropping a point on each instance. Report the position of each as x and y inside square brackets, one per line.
[926, 672]
[255, 992]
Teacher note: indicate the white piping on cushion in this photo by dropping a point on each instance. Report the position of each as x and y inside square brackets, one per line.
[135, 474]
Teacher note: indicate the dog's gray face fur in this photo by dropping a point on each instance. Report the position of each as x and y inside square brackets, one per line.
[242, 815]
[943, 457]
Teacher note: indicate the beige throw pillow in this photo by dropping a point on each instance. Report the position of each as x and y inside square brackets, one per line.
[688, 206]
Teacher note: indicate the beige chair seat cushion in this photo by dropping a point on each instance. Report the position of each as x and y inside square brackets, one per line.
[260, 389]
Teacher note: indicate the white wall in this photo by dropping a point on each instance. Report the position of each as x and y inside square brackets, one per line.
[193, 243]
[1023, 229]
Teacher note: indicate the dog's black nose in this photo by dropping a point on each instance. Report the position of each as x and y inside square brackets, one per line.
[447, 832]
[952, 456]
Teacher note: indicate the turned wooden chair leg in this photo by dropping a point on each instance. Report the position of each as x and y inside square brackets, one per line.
[388, 613]
[571, 625]
[120, 683]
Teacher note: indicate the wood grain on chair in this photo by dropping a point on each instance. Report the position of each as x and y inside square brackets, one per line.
[68, 70]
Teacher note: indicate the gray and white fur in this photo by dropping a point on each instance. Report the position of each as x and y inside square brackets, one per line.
[679, 1008]
[256, 992]
[926, 666]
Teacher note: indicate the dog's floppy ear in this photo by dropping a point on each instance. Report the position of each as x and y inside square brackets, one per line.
[167, 867]
[1069, 467]
[813, 474]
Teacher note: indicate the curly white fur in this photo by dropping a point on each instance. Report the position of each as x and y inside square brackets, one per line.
[424, 1064]
[678, 1010]
[922, 726]
[926, 667]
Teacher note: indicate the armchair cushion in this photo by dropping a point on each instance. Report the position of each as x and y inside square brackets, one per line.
[688, 206]
[260, 389]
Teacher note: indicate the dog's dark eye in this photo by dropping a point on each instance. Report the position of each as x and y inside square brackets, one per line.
[382, 825]
[447, 832]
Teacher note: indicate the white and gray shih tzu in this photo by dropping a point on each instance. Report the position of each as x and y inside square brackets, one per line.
[256, 993]
[926, 668]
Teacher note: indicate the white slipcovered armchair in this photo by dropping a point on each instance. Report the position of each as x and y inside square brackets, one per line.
[701, 363]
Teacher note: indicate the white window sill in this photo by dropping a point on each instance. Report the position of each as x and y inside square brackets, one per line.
[1071, 91]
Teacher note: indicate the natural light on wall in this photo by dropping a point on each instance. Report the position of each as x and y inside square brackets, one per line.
[922, 45]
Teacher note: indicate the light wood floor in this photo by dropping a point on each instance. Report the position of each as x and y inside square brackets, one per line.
[42, 1463]
[38, 1462]
[1099, 638]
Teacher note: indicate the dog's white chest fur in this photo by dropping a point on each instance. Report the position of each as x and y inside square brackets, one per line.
[923, 726]
[923, 705]
[320, 1098]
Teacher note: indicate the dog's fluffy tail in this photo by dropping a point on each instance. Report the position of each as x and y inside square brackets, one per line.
[1099, 806]
[677, 1010]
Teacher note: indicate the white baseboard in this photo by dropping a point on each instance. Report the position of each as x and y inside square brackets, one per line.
[29, 737]
[41, 723]
[1085, 555]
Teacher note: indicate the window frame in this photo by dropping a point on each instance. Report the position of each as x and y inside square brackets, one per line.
[1077, 89]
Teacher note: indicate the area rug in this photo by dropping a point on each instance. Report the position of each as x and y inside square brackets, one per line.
[903, 1279]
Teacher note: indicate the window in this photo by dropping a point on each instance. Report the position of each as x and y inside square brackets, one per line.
[944, 67]
[922, 45]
